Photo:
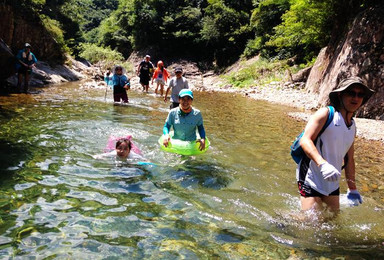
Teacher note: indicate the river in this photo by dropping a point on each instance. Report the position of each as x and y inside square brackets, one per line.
[237, 201]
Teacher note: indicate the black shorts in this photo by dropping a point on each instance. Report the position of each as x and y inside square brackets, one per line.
[306, 191]
[24, 70]
[144, 79]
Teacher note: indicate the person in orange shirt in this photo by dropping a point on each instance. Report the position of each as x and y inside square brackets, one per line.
[161, 75]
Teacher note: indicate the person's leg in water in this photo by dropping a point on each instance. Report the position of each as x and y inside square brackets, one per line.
[157, 87]
[26, 82]
[161, 89]
[19, 80]
[124, 97]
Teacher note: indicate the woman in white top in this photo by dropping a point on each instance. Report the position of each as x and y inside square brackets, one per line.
[318, 174]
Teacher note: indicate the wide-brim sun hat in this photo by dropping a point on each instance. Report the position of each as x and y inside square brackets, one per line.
[345, 84]
[186, 93]
[118, 66]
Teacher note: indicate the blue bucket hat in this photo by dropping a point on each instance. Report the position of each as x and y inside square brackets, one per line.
[186, 92]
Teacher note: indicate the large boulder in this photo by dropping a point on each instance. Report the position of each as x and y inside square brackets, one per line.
[7, 61]
[359, 53]
[20, 26]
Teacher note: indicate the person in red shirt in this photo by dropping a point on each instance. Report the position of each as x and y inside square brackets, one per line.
[160, 75]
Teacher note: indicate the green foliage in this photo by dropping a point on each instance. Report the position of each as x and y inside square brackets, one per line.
[217, 31]
[264, 18]
[54, 29]
[225, 30]
[260, 72]
[305, 28]
[94, 53]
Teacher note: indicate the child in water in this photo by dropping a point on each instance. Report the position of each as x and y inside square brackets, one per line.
[123, 151]
[161, 75]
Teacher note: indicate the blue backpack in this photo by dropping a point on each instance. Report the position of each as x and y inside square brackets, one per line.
[297, 152]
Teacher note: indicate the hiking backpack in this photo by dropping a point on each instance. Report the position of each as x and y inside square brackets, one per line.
[297, 152]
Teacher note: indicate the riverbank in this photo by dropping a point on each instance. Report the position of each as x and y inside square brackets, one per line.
[285, 93]
[294, 95]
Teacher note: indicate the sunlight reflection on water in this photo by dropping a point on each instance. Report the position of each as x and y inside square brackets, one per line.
[237, 201]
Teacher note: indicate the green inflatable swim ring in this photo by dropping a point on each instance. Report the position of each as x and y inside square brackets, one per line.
[183, 147]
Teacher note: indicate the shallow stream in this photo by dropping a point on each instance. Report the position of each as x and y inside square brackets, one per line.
[237, 201]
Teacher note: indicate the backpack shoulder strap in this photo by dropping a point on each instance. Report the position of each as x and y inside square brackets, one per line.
[331, 113]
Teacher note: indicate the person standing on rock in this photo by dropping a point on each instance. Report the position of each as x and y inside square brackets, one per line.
[26, 60]
[177, 83]
[144, 71]
[319, 172]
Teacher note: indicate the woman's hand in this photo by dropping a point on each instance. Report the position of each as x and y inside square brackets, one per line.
[202, 144]
[166, 140]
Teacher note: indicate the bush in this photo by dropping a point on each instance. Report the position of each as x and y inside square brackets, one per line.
[94, 53]
[53, 27]
[261, 72]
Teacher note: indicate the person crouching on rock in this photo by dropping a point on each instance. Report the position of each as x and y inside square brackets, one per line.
[319, 173]
[120, 84]
[26, 60]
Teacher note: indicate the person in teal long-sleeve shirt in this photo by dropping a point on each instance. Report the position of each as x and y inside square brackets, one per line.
[185, 119]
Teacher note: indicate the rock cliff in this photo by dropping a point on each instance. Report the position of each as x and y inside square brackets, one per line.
[20, 26]
[360, 53]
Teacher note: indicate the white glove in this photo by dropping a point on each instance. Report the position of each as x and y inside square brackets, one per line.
[329, 172]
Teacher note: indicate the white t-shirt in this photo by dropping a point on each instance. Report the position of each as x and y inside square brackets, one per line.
[333, 145]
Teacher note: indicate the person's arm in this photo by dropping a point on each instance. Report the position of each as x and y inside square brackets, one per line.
[34, 60]
[311, 132]
[165, 75]
[167, 127]
[127, 83]
[350, 169]
[138, 69]
[166, 92]
[201, 130]
[154, 76]
[166, 138]
[353, 194]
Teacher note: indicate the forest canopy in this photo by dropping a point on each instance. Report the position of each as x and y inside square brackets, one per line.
[214, 31]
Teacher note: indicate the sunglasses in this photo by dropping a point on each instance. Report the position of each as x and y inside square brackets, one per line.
[352, 93]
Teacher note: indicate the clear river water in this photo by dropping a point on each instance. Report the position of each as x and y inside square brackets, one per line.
[237, 201]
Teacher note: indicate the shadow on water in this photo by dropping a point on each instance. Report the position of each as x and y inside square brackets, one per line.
[11, 155]
[193, 173]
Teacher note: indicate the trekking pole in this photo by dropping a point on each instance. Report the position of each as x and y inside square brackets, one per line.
[106, 90]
